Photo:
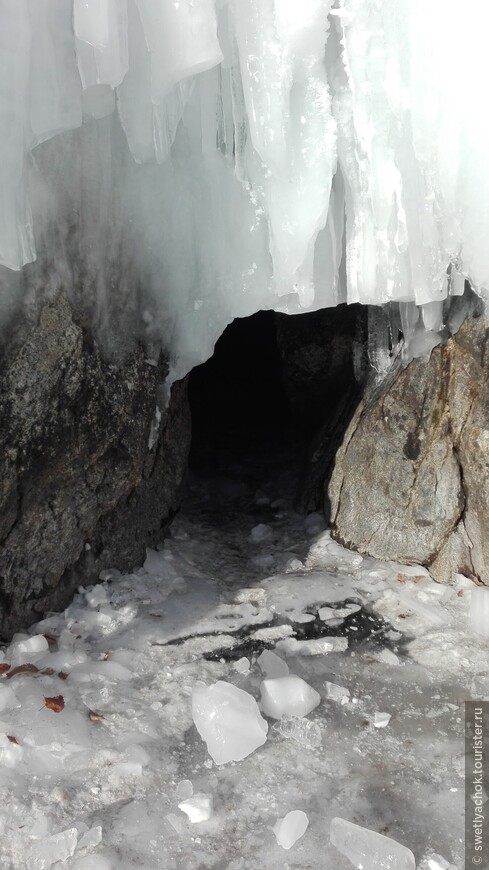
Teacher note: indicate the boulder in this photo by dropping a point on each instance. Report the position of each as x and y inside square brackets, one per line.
[411, 478]
[90, 473]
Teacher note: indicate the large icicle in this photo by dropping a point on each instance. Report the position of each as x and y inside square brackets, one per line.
[281, 52]
[264, 153]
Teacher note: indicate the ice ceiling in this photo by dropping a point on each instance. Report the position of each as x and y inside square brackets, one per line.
[287, 154]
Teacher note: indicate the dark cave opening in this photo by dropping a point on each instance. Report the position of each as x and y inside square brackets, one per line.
[241, 417]
[277, 393]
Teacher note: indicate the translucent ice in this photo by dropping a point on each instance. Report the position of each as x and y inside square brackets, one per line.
[48, 851]
[291, 828]
[198, 808]
[8, 698]
[387, 656]
[301, 730]
[27, 650]
[381, 720]
[90, 839]
[256, 153]
[333, 692]
[272, 665]
[368, 849]
[315, 647]
[479, 610]
[288, 696]
[229, 721]
[436, 862]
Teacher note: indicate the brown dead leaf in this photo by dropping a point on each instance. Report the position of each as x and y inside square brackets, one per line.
[28, 668]
[63, 675]
[4, 666]
[95, 717]
[48, 671]
[460, 593]
[12, 739]
[56, 704]
[106, 656]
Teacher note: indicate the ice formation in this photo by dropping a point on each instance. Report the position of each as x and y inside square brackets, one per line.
[368, 849]
[291, 828]
[231, 155]
[479, 610]
[198, 808]
[229, 720]
[288, 696]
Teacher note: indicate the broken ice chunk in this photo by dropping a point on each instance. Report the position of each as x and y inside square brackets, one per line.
[288, 696]
[368, 849]
[387, 656]
[177, 823]
[90, 839]
[291, 828]
[316, 647]
[260, 533]
[27, 650]
[347, 610]
[8, 698]
[50, 850]
[96, 596]
[325, 613]
[272, 665]
[10, 753]
[184, 790]
[242, 666]
[302, 730]
[336, 693]
[229, 721]
[436, 862]
[198, 808]
[381, 720]
[479, 610]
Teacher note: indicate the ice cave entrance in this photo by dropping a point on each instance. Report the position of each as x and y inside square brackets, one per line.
[240, 412]
[276, 388]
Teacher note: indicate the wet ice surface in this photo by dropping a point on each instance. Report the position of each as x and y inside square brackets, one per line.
[96, 781]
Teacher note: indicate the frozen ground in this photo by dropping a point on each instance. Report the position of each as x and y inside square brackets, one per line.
[107, 771]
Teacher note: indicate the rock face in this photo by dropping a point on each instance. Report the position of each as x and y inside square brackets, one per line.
[411, 479]
[80, 488]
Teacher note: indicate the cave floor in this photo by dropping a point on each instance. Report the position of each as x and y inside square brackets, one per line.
[97, 784]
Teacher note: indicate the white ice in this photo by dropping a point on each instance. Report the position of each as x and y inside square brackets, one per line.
[291, 828]
[333, 692]
[198, 808]
[288, 696]
[249, 154]
[229, 721]
[124, 752]
[369, 849]
[479, 610]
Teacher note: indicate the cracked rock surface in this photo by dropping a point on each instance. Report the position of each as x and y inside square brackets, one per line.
[411, 479]
[80, 488]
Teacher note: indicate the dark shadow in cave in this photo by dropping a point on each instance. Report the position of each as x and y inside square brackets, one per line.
[242, 423]
[278, 393]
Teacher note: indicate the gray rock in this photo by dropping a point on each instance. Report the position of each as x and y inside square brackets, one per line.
[80, 489]
[411, 479]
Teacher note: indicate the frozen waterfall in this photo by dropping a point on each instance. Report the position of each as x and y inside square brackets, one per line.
[234, 155]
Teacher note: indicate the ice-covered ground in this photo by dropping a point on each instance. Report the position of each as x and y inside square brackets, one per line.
[91, 778]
